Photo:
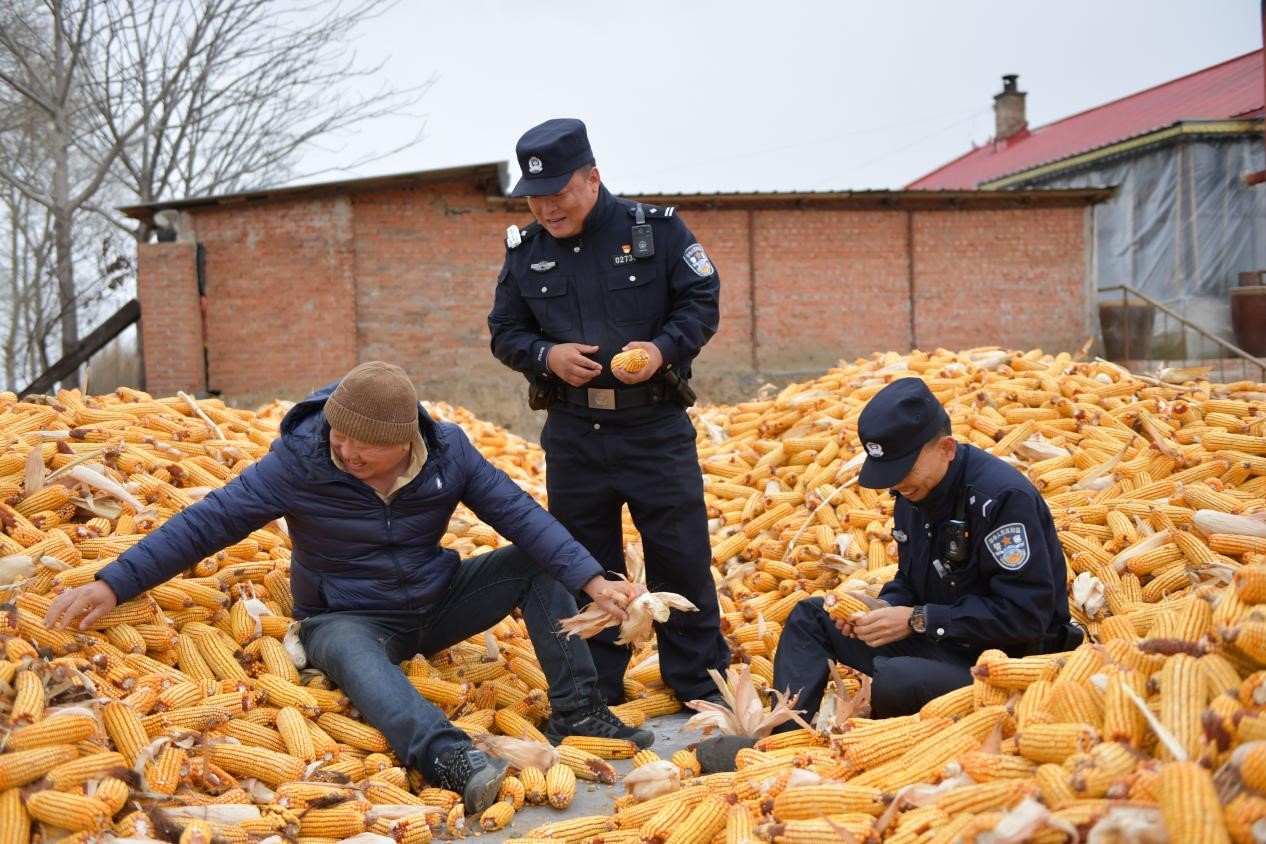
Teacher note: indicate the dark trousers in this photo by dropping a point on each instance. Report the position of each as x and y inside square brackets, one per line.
[904, 675]
[361, 651]
[654, 468]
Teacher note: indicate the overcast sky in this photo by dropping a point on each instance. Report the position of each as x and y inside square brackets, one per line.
[684, 96]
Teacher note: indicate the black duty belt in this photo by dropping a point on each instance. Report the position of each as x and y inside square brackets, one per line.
[611, 398]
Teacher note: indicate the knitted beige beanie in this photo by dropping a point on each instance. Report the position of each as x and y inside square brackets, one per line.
[374, 403]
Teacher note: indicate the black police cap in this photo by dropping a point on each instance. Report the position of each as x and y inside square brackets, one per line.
[548, 154]
[895, 424]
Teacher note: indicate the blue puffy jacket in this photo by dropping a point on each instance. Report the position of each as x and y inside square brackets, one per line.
[352, 550]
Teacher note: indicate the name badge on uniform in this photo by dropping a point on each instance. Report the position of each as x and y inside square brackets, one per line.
[544, 266]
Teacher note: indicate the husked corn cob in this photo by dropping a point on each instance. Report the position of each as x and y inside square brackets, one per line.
[832, 799]
[20, 767]
[268, 766]
[355, 733]
[54, 729]
[585, 765]
[560, 786]
[633, 360]
[534, 786]
[64, 810]
[603, 748]
[1190, 805]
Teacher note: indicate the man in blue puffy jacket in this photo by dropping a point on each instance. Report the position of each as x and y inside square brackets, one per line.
[367, 482]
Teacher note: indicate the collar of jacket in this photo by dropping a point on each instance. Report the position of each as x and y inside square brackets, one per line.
[940, 500]
[598, 214]
[306, 435]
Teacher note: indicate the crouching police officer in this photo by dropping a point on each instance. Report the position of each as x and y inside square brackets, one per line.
[979, 566]
[593, 276]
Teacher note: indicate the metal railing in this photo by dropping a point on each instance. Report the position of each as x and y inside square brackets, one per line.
[1228, 363]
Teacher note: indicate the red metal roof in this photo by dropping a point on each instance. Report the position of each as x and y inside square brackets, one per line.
[1231, 90]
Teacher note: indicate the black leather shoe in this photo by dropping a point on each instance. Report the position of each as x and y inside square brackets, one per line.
[595, 720]
[472, 774]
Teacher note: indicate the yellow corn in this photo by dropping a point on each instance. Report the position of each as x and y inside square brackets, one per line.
[163, 774]
[831, 799]
[125, 729]
[534, 786]
[55, 729]
[703, 823]
[28, 698]
[1190, 805]
[604, 748]
[1183, 697]
[65, 810]
[1056, 742]
[26, 766]
[15, 823]
[294, 732]
[633, 360]
[268, 766]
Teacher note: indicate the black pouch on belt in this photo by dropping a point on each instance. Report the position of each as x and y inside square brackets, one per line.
[677, 389]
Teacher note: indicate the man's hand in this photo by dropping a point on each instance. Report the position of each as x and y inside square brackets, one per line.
[846, 626]
[92, 601]
[883, 626]
[613, 596]
[652, 365]
[568, 362]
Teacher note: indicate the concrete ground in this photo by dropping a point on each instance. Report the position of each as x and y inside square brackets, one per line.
[595, 798]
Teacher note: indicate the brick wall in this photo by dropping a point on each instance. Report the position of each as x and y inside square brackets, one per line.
[300, 288]
[171, 324]
[281, 304]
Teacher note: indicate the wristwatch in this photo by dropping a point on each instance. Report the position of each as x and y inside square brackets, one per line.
[918, 622]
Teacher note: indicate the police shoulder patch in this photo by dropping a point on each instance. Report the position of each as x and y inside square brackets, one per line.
[1009, 546]
[698, 260]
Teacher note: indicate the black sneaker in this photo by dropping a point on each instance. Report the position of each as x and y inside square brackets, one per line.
[716, 754]
[472, 774]
[597, 721]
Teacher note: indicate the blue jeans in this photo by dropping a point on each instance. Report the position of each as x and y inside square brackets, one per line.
[361, 651]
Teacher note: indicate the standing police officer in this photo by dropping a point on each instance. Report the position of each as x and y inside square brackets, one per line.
[593, 276]
[979, 566]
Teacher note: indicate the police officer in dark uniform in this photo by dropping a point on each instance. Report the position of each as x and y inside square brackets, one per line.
[979, 566]
[595, 275]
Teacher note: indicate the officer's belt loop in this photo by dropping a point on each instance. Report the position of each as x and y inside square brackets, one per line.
[612, 398]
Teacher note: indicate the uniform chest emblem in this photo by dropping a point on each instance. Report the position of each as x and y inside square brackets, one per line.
[900, 536]
[874, 449]
[1009, 546]
[534, 165]
[698, 260]
[544, 266]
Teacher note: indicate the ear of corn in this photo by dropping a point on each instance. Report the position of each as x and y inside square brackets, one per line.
[560, 786]
[187, 657]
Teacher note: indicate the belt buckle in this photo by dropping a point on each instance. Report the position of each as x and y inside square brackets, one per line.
[601, 398]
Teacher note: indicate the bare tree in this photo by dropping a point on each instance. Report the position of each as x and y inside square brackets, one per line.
[132, 101]
[273, 79]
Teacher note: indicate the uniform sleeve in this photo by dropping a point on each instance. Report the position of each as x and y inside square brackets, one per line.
[514, 514]
[1017, 571]
[694, 290]
[517, 340]
[225, 516]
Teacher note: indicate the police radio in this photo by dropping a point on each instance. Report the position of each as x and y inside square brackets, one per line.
[643, 237]
[957, 535]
